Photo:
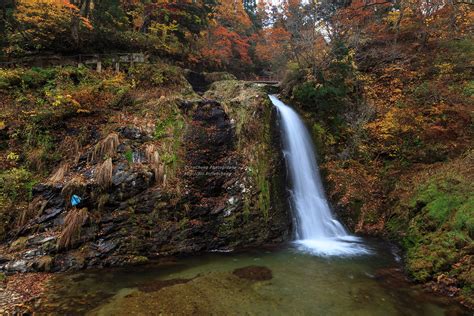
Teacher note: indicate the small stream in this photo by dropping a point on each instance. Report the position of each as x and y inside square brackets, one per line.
[302, 284]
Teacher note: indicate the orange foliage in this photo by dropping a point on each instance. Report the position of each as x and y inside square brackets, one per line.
[227, 39]
[272, 43]
[226, 45]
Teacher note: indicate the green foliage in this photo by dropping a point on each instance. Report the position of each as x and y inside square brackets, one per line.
[171, 125]
[322, 138]
[439, 201]
[39, 147]
[426, 92]
[326, 98]
[440, 226]
[129, 156]
[468, 89]
[460, 51]
[16, 184]
[15, 191]
[327, 93]
[156, 75]
[169, 158]
[26, 78]
[464, 218]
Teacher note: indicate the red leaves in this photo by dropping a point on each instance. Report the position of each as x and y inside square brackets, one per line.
[227, 45]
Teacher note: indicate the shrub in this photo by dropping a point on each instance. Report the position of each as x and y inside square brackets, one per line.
[16, 184]
[469, 89]
[15, 190]
[155, 75]
[321, 98]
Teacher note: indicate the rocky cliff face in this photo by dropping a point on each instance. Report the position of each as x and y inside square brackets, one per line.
[205, 174]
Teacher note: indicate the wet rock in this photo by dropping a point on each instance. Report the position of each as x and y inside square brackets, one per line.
[46, 190]
[200, 81]
[254, 273]
[228, 211]
[232, 201]
[106, 246]
[131, 132]
[4, 259]
[218, 209]
[16, 266]
[32, 253]
[44, 264]
[129, 183]
[160, 284]
[40, 239]
[69, 261]
[19, 244]
[49, 214]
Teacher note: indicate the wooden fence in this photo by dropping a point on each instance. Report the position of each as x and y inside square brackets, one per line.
[96, 61]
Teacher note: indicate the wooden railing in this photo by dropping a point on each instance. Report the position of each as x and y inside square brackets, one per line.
[262, 79]
[98, 61]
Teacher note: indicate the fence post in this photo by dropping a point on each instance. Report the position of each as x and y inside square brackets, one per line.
[117, 63]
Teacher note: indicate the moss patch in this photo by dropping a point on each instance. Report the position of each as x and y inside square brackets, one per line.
[435, 224]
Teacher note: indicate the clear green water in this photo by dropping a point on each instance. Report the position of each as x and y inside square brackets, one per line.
[301, 285]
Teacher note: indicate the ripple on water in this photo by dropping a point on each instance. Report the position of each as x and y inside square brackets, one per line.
[346, 246]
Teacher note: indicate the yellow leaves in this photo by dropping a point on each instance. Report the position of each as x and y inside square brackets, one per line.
[445, 68]
[58, 100]
[29, 113]
[65, 100]
[393, 16]
[2, 125]
[12, 156]
[396, 95]
[114, 82]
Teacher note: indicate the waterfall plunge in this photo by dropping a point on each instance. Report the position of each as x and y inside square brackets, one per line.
[317, 231]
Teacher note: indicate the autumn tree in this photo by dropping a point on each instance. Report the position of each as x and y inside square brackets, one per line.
[227, 42]
[45, 24]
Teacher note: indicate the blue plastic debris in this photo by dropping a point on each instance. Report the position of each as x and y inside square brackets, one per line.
[75, 200]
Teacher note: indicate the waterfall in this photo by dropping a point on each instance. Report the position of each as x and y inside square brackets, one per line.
[317, 230]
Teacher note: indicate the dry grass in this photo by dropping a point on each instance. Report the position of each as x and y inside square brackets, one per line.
[151, 154]
[153, 158]
[74, 186]
[59, 174]
[70, 148]
[35, 208]
[105, 148]
[73, 222]
[103, 174]
[35, 158]
[101, 201]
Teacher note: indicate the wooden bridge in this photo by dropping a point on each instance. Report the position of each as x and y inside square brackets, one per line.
[263, 80]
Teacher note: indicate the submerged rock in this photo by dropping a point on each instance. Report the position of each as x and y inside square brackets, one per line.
[160, 284]
[217, 293]
[254, 273]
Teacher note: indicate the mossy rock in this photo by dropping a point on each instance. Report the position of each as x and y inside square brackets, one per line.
[19, 244]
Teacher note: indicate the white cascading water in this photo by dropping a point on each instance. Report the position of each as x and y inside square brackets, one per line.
[317, 231]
